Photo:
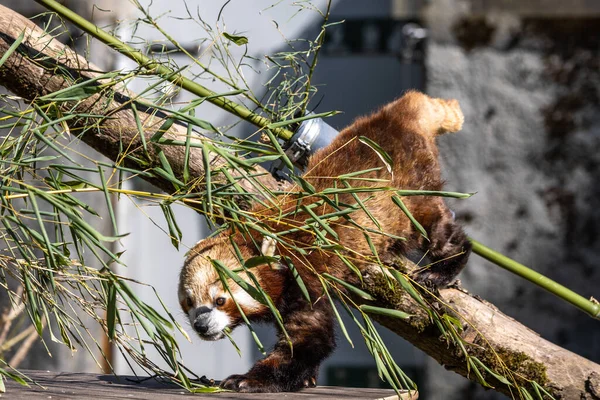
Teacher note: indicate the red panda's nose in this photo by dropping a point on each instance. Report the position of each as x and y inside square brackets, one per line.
[201, 322]
[200, 326]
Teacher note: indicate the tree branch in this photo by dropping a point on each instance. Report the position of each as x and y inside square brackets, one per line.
[42, 65]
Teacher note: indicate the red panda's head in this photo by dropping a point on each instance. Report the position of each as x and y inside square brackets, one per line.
[207, 303]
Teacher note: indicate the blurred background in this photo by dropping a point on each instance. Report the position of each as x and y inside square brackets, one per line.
[527, 76]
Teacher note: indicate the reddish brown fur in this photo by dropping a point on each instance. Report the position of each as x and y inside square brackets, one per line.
[406, 130]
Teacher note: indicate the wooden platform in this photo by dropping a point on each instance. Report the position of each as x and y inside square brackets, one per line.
[65, 385]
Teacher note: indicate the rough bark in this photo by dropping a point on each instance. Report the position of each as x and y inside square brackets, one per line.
[32, 71]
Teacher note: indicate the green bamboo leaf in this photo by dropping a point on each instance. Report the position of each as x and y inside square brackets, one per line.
[263, 159]
[49, 247]
[525, 393]
[174, 231]
[456, 195]
[111, 310]
[71, 214]
[373, 249]
[301, 119]
[207, 389]
[398, 201]
[227, 333]
[298, 279]
[38, 159]
[362, 205]
[349, 264]
[207, 179]
[320, 222]
[53, 146]
[237, 39]
[348, 286]
[254, 262]
[386, 312]
[257, 341]
[64, 335]
[2, 387]
[162, 130]
[34, 312]
[12, 48]
[381, 153]
[149, 312]
[80, 91]
[108, 201]
[355, 189]
[489, 371]
[140, 128]
[169, 177]
[358, 173]
[288, 163]
[14, 377]
[234, 161]
[475, 369]
[186, 158]
[537, 387]
[247, 287]
[337, 315]
[408, 287]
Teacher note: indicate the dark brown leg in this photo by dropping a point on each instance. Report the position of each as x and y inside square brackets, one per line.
[288, 369]
[449, 250]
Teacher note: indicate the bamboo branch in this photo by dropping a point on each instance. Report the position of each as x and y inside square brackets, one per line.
[592, 308]
[487, 332]
[42, 65]
[161, 70]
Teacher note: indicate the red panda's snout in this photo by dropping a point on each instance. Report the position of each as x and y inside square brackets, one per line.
[212, 310]
[208, 309]
[210, 323]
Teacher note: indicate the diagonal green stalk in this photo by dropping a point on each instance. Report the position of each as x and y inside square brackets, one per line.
[159, 69]
[588, 306]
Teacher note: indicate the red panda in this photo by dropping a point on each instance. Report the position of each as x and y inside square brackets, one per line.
[406, 130]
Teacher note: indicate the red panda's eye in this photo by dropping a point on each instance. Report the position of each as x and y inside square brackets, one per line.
[189, 302]
[220, 301]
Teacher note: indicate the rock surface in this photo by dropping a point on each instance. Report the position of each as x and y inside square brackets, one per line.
[530, 149]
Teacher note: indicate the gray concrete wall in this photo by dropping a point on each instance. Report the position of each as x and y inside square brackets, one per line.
[530, 149]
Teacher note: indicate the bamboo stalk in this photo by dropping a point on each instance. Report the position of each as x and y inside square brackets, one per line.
[159, 69]
[587, 306]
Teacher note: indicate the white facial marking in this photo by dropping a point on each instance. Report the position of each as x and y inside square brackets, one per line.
[213, 292]
[220, 320]
[245, 300]
[187, 294]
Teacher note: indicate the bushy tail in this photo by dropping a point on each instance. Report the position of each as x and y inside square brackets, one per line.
[448, 115]
[427, 116]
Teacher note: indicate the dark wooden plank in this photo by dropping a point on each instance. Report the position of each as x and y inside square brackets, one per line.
[66, 385]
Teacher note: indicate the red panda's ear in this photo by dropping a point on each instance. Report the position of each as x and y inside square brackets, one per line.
[268, 247]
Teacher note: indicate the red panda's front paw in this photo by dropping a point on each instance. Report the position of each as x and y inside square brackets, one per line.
[310, 382]
[243, 383]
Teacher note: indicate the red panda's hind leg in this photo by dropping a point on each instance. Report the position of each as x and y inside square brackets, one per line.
[448, 250]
